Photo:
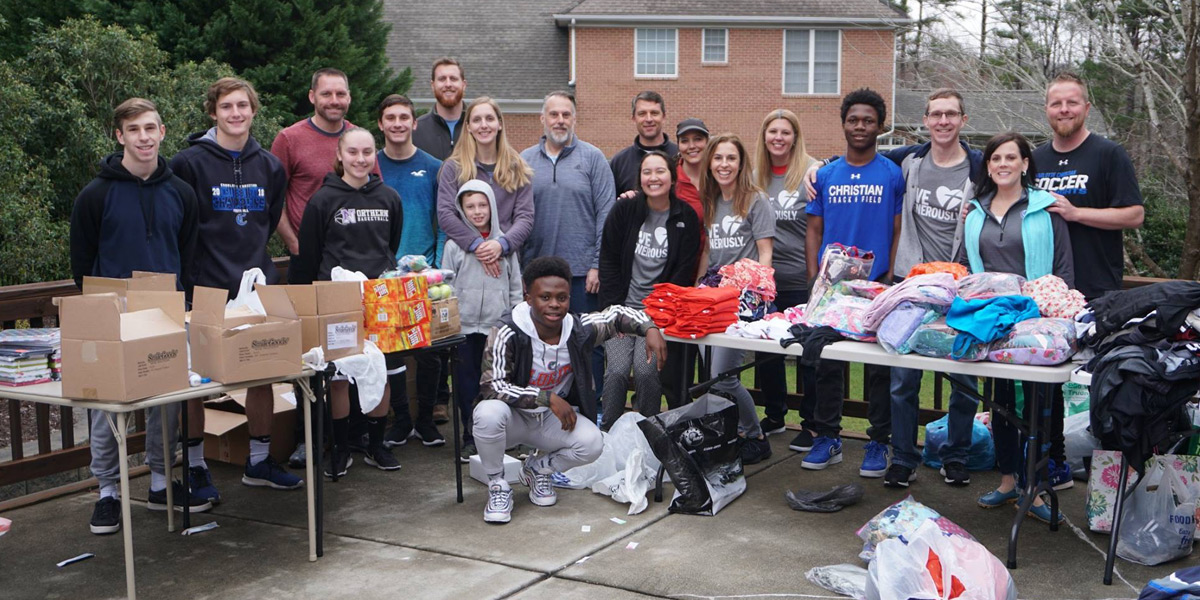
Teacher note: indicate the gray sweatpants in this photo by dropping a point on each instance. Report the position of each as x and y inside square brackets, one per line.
[624, 353]
[106, 454]
[724, 359]
[498, 426]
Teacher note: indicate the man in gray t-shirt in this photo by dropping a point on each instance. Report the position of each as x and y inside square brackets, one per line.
[732, 238]
[936, 208]
[649, 257]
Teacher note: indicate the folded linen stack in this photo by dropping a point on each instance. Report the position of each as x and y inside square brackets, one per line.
[691, 312]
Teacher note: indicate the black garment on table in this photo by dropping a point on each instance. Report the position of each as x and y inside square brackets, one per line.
[1137, 396]
[1171, 300]
[813, 340]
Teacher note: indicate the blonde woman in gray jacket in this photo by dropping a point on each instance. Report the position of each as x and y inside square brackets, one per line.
[482, 298]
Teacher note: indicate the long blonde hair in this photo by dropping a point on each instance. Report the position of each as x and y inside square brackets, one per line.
[798, 163]
[710, 191]
[511, 171]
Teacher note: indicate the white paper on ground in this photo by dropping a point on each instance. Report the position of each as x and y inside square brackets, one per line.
[200, 528]
[631, 546]
[617, 521]
[84, 556]
[585, 529]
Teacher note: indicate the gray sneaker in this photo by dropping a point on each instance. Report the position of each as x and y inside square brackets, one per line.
[540, 480]
[299, 458]
[500, 502]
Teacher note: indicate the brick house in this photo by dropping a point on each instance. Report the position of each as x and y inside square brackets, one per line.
[728, 63]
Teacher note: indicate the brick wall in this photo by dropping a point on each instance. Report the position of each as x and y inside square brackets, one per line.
[732, 97]
[522, 130]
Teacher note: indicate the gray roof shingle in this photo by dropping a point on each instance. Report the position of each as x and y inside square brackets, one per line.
[510, 50]
[741, 8]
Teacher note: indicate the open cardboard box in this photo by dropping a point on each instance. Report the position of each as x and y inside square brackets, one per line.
[227, 433]
[331, 316]
[235, 346]
[445, 321]
[140, 280]
[122, 356]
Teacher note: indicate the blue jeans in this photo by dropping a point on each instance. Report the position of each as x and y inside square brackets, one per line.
[906, 399]
[583, 302]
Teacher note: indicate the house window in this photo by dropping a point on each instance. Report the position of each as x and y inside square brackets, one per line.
[655, 52]
[716, 46]
[811, 61]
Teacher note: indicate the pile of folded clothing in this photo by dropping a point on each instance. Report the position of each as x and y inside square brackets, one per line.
[29, 356]
[692, 312]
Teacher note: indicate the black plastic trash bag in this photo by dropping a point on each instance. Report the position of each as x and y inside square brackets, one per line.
[699, 448]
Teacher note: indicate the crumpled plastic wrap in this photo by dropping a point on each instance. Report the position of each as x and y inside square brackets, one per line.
[981, 286]
[1039, 342]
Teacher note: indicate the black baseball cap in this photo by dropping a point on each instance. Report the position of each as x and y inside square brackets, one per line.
[687, 125]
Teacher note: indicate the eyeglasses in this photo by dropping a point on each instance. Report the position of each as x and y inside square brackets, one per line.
[947, 114]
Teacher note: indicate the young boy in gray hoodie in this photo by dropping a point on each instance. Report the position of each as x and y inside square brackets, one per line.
[482, 299]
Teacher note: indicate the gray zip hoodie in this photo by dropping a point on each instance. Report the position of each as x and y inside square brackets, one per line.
[482, 299]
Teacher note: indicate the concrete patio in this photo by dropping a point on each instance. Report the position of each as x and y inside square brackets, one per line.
[401, 535]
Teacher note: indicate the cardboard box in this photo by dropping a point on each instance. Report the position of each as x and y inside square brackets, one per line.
[407, 287]
[141, 280]
[227, 433]
[331, 316]
[395, 339]
[117, 356]
[512, 470]
[236, 346]
[445, 321]
[384, 314]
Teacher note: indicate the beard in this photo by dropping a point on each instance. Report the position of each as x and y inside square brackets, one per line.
[453, 102]
[559, 139]
[1068, 129]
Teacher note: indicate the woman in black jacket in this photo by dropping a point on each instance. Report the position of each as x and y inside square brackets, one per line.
[649, 238]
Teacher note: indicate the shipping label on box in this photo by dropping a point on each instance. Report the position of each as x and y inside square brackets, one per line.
[338, 335]
[387, 313]
[445, 321]
[395, 339]
[407, 287]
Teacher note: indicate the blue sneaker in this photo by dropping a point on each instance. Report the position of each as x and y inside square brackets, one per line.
[202, 486]
[875, 461]
[269, 473]
[825, 451]
[1060, 477]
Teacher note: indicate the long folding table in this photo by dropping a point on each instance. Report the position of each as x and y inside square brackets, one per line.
[1032, 423]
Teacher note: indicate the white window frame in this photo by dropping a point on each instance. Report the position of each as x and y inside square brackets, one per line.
[812, 51]
[636, 75]
[704, 46]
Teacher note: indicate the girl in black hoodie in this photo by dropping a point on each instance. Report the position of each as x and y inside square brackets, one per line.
[353, 222]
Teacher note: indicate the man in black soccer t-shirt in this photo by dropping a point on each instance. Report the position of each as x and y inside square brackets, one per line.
[1096, 177]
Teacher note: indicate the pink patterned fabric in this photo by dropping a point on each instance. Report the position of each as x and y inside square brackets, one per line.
[747, 274]
[1053, 297]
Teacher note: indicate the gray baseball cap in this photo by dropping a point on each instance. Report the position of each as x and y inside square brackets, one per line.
[687, 125]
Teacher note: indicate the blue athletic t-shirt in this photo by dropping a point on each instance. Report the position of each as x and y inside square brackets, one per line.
[859, 206]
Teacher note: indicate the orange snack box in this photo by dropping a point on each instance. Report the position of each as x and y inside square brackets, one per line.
[396, 289]
[387, 313]
[395, 339]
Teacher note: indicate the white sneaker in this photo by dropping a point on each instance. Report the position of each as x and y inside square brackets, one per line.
[540, 480]
[500, 502]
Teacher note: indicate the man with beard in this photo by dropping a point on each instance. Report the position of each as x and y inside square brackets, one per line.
[438, 130]
[649, 112]
[1099, 198]
[572, 194]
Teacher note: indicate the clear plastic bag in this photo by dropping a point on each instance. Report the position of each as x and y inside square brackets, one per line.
[934, 566]
[844, 579]
[247, 298]
[979, 286]
[1156, 527]
[1039, 342]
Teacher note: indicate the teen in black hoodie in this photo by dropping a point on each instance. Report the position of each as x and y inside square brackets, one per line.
[354, 222]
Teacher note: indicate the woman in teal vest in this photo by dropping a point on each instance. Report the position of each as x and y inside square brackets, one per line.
[1010, 230]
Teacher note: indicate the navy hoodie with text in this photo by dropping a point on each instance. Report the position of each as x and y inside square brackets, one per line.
[356, 229]
[240, 199]
[121, 223]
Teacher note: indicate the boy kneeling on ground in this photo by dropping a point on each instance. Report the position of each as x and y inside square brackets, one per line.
[536, 374]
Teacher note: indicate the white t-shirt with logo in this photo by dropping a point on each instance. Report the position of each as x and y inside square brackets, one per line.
[732, 238]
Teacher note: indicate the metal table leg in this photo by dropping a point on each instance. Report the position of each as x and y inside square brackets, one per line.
[119, 430]
[318, 385]
[1118, 510]
[454, 416]
[169, 467]
[169, 455]
[309, 473]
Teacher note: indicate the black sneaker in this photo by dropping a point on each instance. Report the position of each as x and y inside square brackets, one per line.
[771, 426]
[468, 450]
[106, 516]
[359, 443]
[956, 474]
[342, 461]
[381, 458]
[898, 476]
[429, 435]
[298, 459]
[803, 442]
[755, 450]
[396, 437]
[158, 500]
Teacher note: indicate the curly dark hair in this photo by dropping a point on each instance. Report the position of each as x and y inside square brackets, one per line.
[545, 266]
[866, 96]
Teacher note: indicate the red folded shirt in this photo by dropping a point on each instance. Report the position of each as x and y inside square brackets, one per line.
[691, 312]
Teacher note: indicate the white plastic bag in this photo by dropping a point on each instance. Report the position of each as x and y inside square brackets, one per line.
[847, 580]
[629, 485]
[247, 297]
[967, 570]
[369, 372]
[1079, 441]
[1156, 527]
[619, 443]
